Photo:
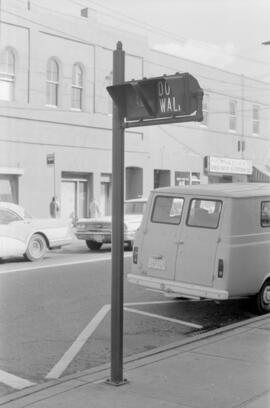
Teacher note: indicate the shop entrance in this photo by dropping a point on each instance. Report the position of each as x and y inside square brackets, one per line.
[74, 193]
[106, 194]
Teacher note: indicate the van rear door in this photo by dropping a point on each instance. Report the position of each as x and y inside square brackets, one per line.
[196, 254]
[159, 244]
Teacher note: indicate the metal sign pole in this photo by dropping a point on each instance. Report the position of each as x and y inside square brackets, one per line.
[117, 227]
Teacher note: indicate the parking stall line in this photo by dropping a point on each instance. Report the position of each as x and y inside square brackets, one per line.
[14, 381]
[71, 353]
[168, 319]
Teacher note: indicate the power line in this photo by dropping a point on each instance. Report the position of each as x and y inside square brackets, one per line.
[149, 27]
[71, 37]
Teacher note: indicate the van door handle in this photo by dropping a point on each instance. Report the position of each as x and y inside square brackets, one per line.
[179, 242]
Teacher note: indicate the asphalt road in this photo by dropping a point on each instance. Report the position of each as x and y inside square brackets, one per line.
[55, 316]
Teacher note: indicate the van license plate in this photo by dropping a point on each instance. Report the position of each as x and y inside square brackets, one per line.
[156, 263]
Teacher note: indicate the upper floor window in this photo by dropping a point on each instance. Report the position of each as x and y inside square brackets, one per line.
[205, 109]
[256, 120]
[108, 82]
[7, 75]
[52, 83]
[232, 113]
[77, 87]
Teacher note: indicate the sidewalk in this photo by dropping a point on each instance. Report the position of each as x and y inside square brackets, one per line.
[229, 368]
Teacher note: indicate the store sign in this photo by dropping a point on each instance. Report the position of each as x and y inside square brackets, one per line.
[226, 165]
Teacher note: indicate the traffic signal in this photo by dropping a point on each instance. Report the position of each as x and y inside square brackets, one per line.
[172, 96]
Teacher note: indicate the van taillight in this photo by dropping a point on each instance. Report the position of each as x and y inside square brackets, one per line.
[135, 255]
[220, 268]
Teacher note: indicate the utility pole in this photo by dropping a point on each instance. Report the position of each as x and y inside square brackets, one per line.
[117, 226]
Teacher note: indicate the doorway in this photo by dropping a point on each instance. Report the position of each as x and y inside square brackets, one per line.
[74, 198]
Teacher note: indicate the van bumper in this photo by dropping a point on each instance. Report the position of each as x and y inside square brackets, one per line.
[178, 288]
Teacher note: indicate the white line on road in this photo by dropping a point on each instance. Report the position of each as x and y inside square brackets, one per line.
[154, 302]
[13, 381]
[50, 265]
[168, 319]
[70, 354]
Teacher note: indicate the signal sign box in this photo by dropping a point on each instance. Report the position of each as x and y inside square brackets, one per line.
[172, 96]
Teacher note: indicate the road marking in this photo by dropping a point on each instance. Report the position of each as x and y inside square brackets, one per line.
[70, 354]
[13, 381]
[66, 263]
[154, 302]
[168, 319]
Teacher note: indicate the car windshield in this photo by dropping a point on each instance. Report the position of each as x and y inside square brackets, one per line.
[7, 216]
[134, 207]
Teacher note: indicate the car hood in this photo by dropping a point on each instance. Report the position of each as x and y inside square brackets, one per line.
[128, 218]
[48, 222]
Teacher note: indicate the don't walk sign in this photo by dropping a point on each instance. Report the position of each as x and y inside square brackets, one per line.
[159, 100]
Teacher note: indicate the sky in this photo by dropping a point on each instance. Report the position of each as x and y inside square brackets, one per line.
[225, 33]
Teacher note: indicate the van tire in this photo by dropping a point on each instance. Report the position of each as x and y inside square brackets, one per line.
[93, 245]
[262, 299]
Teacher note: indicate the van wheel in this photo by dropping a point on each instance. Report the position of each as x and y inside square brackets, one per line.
[262, 299]
[93, 245]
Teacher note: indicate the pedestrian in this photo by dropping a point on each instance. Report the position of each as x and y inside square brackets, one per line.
[94, 209]
[54, 207]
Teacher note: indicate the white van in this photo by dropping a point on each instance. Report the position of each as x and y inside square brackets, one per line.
[206, 241]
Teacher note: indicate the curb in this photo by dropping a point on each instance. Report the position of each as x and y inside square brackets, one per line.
[102, 372]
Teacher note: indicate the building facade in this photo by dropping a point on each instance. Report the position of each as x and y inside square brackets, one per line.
[56, 122]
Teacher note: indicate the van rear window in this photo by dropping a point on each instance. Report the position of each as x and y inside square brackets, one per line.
[265, 214]
[204, 213]
[167, 210]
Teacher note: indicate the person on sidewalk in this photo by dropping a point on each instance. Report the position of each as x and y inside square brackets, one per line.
[54, 207]
[94, 209]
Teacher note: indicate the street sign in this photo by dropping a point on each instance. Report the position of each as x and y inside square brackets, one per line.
[170, 97]
[50, 159]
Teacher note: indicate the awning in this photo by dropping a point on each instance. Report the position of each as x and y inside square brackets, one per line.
[18, 171]
[260, 174]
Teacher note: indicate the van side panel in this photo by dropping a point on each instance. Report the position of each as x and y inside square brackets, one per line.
[249, 248]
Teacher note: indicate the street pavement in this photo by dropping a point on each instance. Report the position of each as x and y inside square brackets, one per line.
[225, 368]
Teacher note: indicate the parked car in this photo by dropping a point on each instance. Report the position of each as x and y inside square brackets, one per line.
[98, 231]
[20, 234]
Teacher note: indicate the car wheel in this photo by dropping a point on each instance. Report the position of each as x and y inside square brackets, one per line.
[93, 244]
[262, 299]
[37, 248]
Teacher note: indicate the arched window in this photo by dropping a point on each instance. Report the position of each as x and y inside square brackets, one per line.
[52, 82]
[77, 87]
[7, 75]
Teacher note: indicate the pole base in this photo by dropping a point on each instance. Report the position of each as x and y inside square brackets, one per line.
[109, 381]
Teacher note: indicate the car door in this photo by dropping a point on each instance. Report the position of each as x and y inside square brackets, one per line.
[159, 244]
[13, 234]
[196, 254]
